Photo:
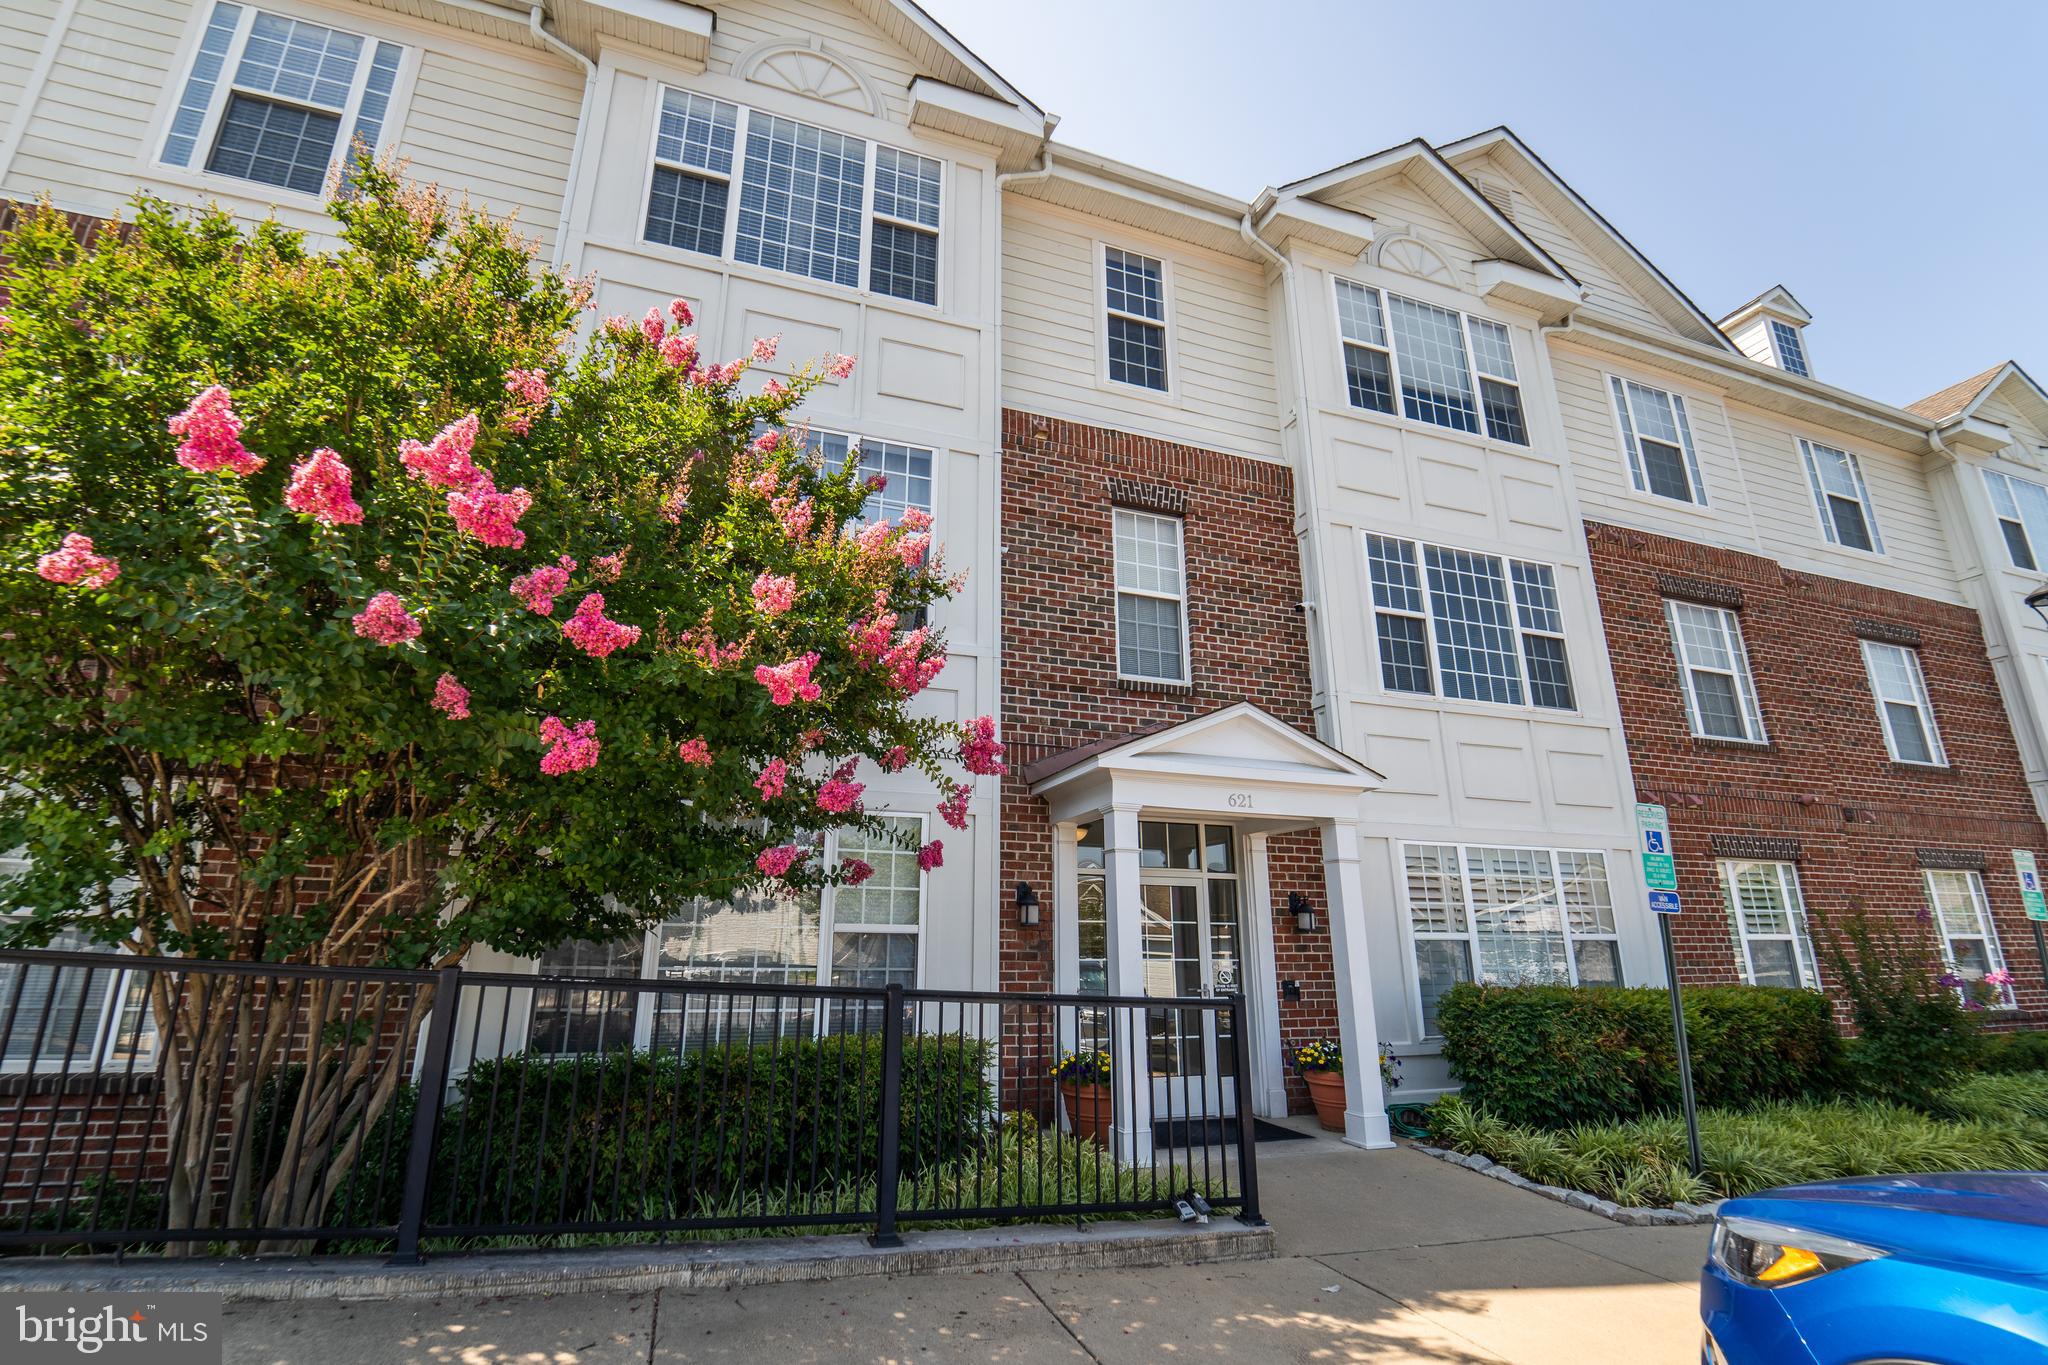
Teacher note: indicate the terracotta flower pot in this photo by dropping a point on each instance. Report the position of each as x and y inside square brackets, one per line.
[1326, 1088]
[1089, 1109]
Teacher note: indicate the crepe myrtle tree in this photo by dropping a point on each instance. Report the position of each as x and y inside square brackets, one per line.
[358, 612]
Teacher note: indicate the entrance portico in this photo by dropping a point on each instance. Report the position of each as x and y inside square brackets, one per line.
[1185, 814]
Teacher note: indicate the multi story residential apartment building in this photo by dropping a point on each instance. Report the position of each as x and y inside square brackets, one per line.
[1343, 564]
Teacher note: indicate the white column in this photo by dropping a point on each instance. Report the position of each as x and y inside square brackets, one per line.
[1127, 977]
[1365, 1102]
[1266, 1088]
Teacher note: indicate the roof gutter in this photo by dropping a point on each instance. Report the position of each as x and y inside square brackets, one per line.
[535, 22]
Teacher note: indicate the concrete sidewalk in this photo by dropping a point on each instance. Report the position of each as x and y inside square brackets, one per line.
[1382, 1256]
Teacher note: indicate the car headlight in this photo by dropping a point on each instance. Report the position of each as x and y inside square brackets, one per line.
[1771, 1255]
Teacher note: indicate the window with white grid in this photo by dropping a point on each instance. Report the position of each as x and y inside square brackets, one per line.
[1713, 669]
[1467, 625]
[694, 142]
[1508, 916]
[1475, 632]
[1368, 365]
[1657, 437]
[1436, 379]
[1451, 369]
[1847, 517]
[73, 1018]
[1791, 351]
[2022, 509]
[1134, 295]
[875, 925]
[802, 194]
[565, 1020]
[1969, 939]
[1772, 944]
[903, 249]
[1903, 707]
[279, 100]
[1151, 597]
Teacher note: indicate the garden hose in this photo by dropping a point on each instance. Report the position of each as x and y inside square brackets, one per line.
[1408, 1120]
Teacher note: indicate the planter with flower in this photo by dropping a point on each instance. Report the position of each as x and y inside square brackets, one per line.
[1320, 1064]
[1086, 1092]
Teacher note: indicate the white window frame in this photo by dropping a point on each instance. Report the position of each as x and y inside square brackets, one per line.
[225, 88]
[1798, 935]
[934, 231]
[728, 254]
[856, 444]
[1180, 600]
[1475, 376]
[104, 1034]
[1627, 424]
[1981, 904]
[1810, 457]
[1469, 936]
[1749, 705]
[1506, 564]
[2008, 511]
[1789, 346]
[1165, 322]
[1920, 701]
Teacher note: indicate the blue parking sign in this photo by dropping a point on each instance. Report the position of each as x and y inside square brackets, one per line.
[1664, 902]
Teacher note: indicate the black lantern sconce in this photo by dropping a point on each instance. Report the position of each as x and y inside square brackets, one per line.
[1027, 905]
[1303, 912]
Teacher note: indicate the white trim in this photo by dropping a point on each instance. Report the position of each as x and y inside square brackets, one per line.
[1382, 296]
[1980, 904]
[1627, 426]
[1809, 456]
[1785, 882]
[1750, 708]
[1922, 704]
[1166, 322]
[1180, 599]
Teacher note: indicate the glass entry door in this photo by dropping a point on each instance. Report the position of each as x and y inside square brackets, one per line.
[1192, 942]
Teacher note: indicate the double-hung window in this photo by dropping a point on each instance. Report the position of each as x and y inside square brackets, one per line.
[1134, 299]
[1713, 668]
[278, 100]
[1903, 707]
[1151, 597]
[1772, 944]
[1847, 517]
[1471, 626]
[1791, 352]
[1451, 369]
[810, 201]
[1658, 440]
[2022, 508]
[1508, 916]
[1969, 940]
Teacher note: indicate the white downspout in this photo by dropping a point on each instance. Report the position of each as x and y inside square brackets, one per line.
[569, 189]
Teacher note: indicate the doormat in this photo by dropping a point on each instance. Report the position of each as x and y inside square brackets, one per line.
[1202, 1132]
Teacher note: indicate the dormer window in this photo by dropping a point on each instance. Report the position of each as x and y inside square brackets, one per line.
[1791, 353]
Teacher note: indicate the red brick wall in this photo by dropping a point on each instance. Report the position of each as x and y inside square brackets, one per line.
[1247, 642]
[1824, 778]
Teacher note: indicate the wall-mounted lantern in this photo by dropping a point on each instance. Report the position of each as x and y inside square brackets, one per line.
[1304, 913]
[1027, 905]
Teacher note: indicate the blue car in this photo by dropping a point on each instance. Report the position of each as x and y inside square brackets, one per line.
[1881, 1270]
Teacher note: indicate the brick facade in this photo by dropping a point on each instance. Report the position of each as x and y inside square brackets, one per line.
[1823, 790]
[1247, 642]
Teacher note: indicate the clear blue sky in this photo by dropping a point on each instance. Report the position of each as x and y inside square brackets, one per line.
[1883, 161]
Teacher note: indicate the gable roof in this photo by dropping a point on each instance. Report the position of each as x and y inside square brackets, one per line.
[1777, 299]
[1254, 740]
[1963, 398]
[929, 41]
[1636, 269]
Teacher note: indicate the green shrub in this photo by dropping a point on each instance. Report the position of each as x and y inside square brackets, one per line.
[2025, 1051]
[1552, 1056]
[2022, 1095]
[1914, 1035]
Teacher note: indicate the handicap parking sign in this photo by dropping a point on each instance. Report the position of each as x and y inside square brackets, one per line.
[1653, 841]
[1664, 902]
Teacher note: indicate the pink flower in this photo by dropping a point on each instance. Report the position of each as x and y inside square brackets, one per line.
[777, 861]
[717, 376]
[839, 795]
[1997, 976]
[679, 351]
[213, 436]
[489, 515]
[796, 517]
[953, 810]
[931, 855]
[856, 871]
[766, 442]
[787, 682]
[764, 347]
[912, 549]
[896, 760]
[74, 562]
[680, 310]
[386, 620]
[444, 461]
[609, 567]
[873, 538]
[980, 750]
[774, 388]
[916, 519]
[652, 326]
[618, 325]
[839, 366]
[320, 489]
[695, 752]
[573, 749]
[451, 697]
[539, 588]
[774, 594]
[772, 778]
[593, 632]
[528, 386]
[910, 671]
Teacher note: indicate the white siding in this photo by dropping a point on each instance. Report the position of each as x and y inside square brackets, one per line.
[24, 24]
[844, 33]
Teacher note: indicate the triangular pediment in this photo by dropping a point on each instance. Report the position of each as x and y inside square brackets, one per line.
[1241, 737]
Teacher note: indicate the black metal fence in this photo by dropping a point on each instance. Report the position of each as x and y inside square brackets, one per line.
[171, 1106]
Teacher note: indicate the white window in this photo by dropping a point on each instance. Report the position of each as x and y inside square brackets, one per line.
[812, 202]
[1847, 517]
[1151, 598]
[1134, 299]
[2022, 508]
[279, 100]
[1471, 626]
[1772, 944]
[73, 1018]
[566, 1020]
[1791, 353]
[1508, 916]
[1713, 666]
[1451, 369]
[905, 471]
[1902, 703]
[1658, 440]
[1969, 940]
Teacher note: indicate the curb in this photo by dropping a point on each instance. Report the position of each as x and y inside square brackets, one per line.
[1678, 1215]
[702, 1265]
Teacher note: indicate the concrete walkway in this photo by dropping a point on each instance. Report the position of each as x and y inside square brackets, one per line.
[1382, 1256]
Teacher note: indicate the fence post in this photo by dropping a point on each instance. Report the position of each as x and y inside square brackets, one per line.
[426, 1114]
[890, 1157]
[1247, 1144]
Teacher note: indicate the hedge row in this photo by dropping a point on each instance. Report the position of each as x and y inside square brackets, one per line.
[1551, 1056]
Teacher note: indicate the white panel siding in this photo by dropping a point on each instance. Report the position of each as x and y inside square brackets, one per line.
[1220, 335]
[23, 27]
